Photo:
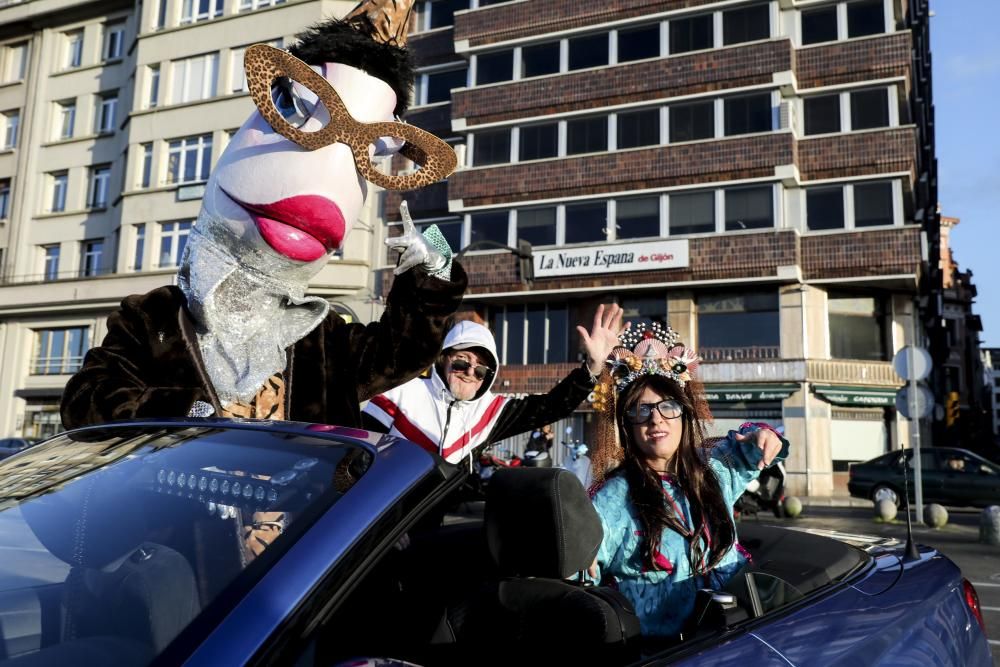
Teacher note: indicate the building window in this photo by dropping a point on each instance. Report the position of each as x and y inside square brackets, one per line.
[692, 121]
[4, 198]
[638, 128]
[869, 109]
[73, 54]
[161, 15]
[107, 109]
[644, 310]
[250, 5]
[539, 59]
[825, 208]
[586, 135]
[748, 113]
[16, 65]
[189, 159]
[639, 43]
[439, 14]
[873, 204]
[746, 24]
[866, 17]
[153, 83]
[738, 320]
[692, 213]
[691, 34]
[586, 223]
[60, 351]
[239, 74]
[114, 40]
[173, 239]
[494, 67]
[140, 246]
[58, 182]
[50, 262]
[100, 175]
[638, 217]
[11, 122]
[749, 208]
[146, 178]
[65, 119]
[90, 258]
[537, 226]
[819, 25]
[822, 114]
[492, 226]
[195, 78]
[539, 141]
[588, 51]
[437, 86]
[193, 11]
[491, 147]
[531, 334]
[856, 327]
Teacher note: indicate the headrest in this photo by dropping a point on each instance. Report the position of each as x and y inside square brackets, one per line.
[540, 523]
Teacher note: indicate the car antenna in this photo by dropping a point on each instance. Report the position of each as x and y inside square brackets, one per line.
[911, 548]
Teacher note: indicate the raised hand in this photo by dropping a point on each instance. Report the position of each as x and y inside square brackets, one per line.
[767, 441]
[415, 248]
[603, 335]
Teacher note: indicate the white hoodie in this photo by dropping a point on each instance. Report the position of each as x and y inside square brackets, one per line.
[425, 411]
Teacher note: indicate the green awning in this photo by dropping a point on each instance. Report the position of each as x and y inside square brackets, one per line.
[856, 396]
[736, 393]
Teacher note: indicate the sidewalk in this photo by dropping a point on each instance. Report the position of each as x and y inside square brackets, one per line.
[834, 501]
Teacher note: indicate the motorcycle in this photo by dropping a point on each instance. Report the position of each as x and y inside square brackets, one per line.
[767, 493]
[576, 459]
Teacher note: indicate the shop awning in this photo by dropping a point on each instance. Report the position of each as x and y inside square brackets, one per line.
[859, 397]
[736, 393]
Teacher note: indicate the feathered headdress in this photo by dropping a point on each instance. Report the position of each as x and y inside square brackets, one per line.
[644, 350]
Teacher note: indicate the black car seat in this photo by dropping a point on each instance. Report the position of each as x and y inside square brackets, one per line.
[541, 529]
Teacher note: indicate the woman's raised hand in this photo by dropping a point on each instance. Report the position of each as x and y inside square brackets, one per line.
[603, 335]
[767, 441]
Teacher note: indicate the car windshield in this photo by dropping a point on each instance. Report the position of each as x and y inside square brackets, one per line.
[113, 545]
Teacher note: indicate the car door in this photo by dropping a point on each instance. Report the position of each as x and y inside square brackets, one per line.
[959, 473]
[983, 480]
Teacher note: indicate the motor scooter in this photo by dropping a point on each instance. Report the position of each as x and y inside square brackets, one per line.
[767, 492]
[576, 459]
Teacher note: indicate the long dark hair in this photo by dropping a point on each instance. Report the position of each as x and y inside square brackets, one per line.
[712, 533]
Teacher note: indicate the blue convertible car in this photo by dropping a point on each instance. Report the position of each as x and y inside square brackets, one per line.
[212, 542]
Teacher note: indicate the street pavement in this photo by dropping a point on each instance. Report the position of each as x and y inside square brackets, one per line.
[958, 540]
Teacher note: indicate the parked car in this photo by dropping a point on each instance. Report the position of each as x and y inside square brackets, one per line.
[950, 476]
[11, 446]
[215, 542]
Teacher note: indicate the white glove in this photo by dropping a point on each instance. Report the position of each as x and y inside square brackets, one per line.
[415, 248]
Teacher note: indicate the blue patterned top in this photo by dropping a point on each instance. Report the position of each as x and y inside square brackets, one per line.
[664, 598]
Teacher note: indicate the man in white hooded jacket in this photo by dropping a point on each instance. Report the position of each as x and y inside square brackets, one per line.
[453, 413]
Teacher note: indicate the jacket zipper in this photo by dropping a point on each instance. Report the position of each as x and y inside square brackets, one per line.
[444, 434]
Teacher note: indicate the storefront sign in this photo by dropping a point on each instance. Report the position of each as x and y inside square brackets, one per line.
[857, 396]
[742, 393]
[652, 256]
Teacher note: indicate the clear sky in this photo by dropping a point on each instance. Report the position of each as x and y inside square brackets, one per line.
[965, 51]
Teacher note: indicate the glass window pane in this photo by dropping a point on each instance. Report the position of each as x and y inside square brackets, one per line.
[536, 333]
[749, 208]
[856, 328]
[825, 208]
[537, 226]
[514, 323]
[586, 223]
[751, 113]
[691, 34]
[588, 51]
[494, 67]
[489, 227]
[540, 59]
[639, 43]
[539, 141]
[819, 25]
[586, 135]
[690, 122]
[638, 217]
[865, 18]
[639, 128]
[730, 320]
[439, 84]
[869, 108]
[492, 147]
[873, 204]
[692, 213]
[558, 351]
[443, 12]
[645, 310]
[822, 114]
[746, 24]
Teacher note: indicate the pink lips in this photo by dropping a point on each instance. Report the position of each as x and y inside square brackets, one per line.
[303, 228]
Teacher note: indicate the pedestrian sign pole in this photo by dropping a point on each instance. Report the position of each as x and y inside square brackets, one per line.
[913, 364]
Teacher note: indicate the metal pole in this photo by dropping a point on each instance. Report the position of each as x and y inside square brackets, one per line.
[918, 478]
[805, 387]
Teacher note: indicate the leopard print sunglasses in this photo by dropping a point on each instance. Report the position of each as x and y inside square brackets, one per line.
[265, 65]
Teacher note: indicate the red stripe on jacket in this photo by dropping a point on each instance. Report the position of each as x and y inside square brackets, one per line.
[484, 421]
[406, 428]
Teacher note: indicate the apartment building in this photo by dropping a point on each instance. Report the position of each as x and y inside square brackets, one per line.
[759, 173]
[112, 116]
[991, 365]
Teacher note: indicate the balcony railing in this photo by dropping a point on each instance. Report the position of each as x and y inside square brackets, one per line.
[56, 365]
[753, 353]
[24, 278]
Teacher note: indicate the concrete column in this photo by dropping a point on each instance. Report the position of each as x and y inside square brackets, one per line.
[809, 465]
[682, 313]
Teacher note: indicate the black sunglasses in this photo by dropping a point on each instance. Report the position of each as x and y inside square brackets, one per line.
[461, 365]
[643, 412]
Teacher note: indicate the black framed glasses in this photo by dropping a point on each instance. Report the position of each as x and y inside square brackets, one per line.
[462, 366]
[640, 413]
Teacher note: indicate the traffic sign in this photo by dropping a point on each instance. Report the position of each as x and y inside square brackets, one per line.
[921, 364]
[925, 402]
